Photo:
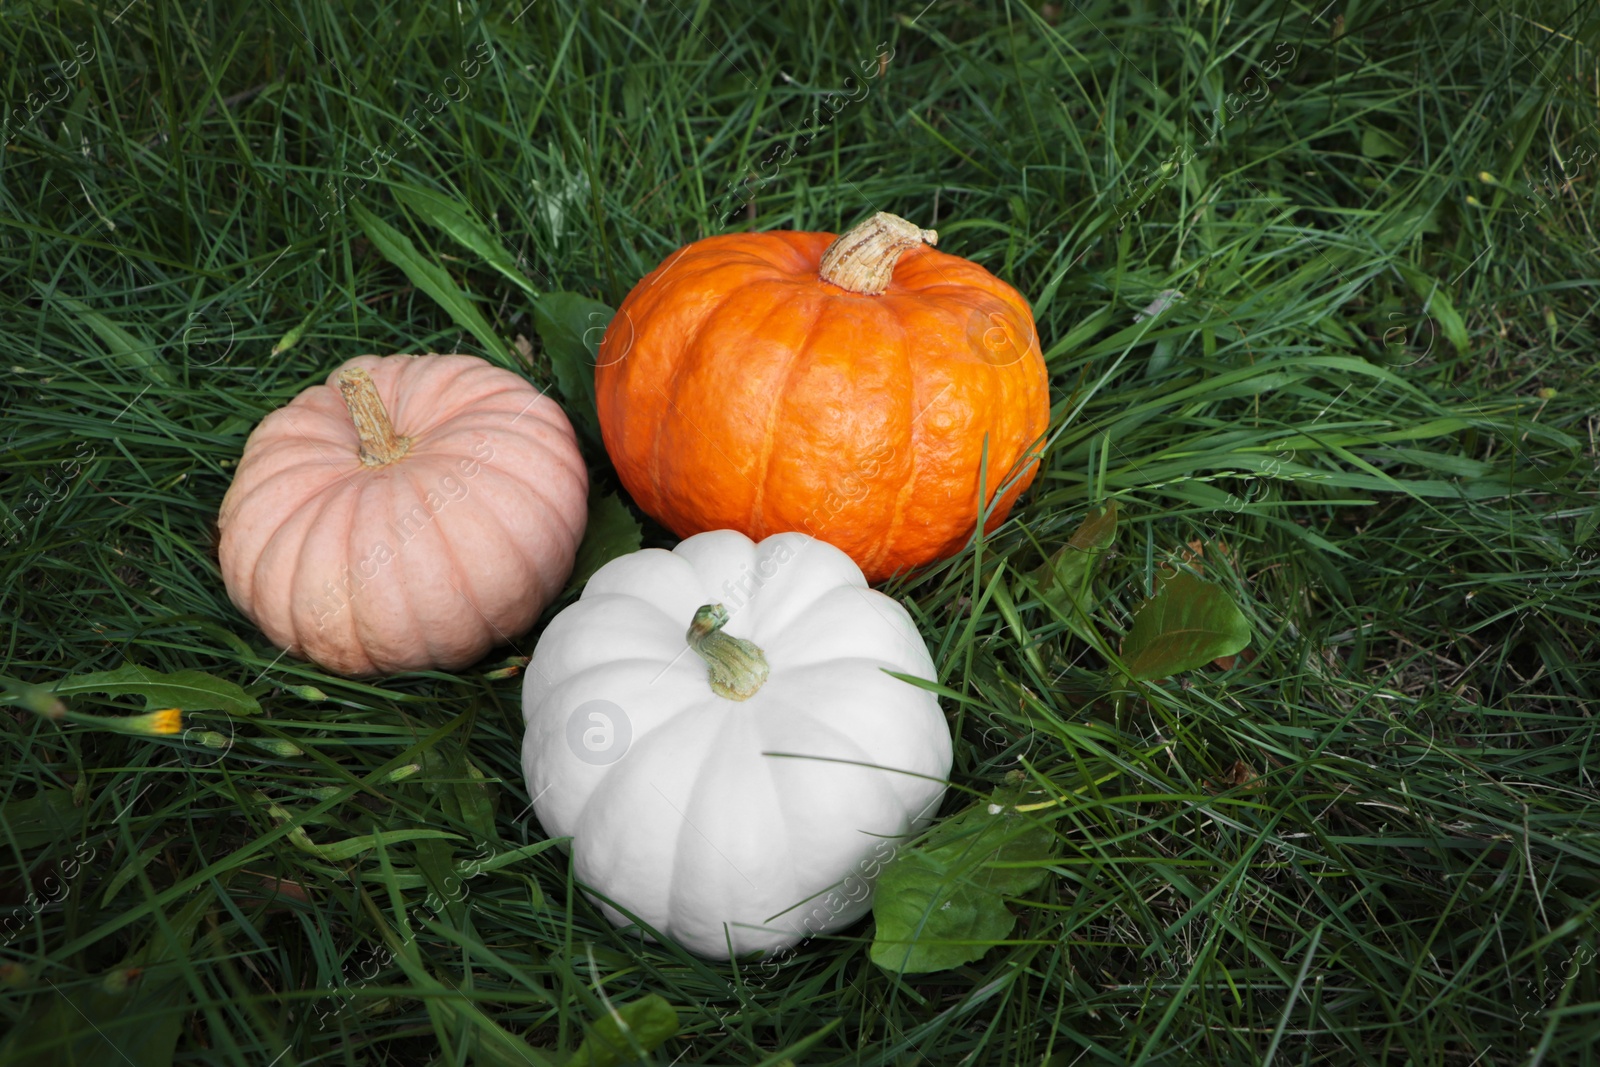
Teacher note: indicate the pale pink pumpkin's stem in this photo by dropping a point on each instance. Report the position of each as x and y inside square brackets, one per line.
[380, 445]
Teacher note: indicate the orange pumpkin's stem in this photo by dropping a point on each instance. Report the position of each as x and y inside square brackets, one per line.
[380, 445]
[738, 667]
[862, 260]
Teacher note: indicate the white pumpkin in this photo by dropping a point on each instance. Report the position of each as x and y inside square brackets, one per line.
[742, 794]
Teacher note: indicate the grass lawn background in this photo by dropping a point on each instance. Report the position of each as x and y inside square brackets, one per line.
[1370, 416]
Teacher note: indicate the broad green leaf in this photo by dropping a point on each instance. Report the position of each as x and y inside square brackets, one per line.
[432, 279]
[132, 1015]
[232, 425]
[461, 792]
[570, 326]
[612, 532]
[1021, 864]
[1438, 306]
[171, 940]
[189, 690]
[83, 1022]
[1186, 624]
[457, 220]
[477, 801]
[1585, 527]
[445, 888]
[50, 815]
[940, 904]
[632, 1029]
[990, 843]
[1063, 581]
[128, 349]
[131, 870]
[929, 919]
[70, 137]
[1376, 144]
[1067, 571]
[1097, 530]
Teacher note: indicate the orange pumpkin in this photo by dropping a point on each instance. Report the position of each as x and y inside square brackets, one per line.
[844, 387]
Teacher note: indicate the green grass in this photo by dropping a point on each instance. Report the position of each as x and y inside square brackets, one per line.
[1375, 842]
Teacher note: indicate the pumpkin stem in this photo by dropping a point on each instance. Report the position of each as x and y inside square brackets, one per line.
[380, 445]
[862, 260]
[738, 668]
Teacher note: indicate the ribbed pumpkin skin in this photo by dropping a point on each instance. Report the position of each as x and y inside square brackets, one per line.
[737, 390]
[427, 562]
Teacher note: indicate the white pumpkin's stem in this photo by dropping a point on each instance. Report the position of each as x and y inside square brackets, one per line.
[380, 445]
[738, 668]
[862, 260]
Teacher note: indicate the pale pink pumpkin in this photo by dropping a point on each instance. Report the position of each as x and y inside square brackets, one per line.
[414, 512]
